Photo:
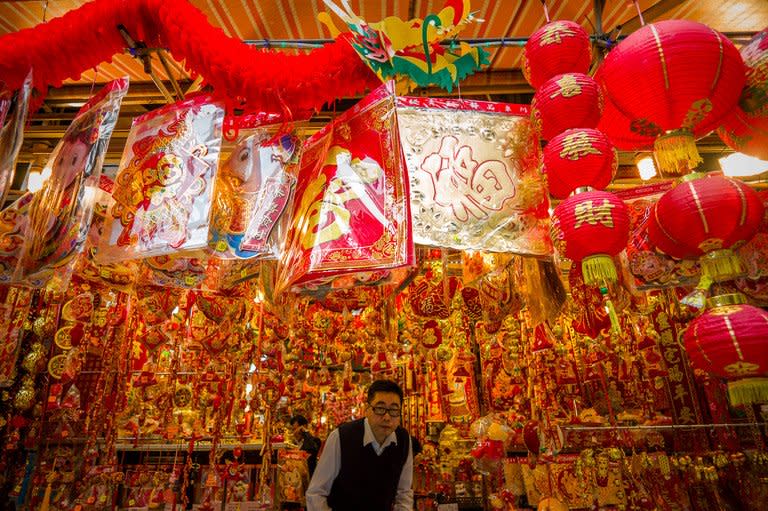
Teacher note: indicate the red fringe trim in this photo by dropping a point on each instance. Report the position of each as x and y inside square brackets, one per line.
[242, 76]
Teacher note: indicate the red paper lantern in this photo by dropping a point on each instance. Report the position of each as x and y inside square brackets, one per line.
[591, 228]
[556, 48]
[666, 84]
[571, 100]
[729, 340]
[579, 157]
[746, 130]
[706, 216]
[746, 134]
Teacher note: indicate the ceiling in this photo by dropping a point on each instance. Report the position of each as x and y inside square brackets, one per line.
[286, 22]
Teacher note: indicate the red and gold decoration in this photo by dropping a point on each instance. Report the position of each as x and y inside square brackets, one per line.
[666, 85]
[60, 213]
[474, 175]
[163, 373]
[591, 228]
[164, 187]
[576, 158]
[705, 217]
[557, 48]
[746, 130]
[571, 100]
[728, 340]
[352, 215]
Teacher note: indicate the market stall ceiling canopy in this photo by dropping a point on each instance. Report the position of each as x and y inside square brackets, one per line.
[281, 23]
[296, 20]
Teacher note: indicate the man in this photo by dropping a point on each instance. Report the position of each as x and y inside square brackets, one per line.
[368, 463]
[305, 440]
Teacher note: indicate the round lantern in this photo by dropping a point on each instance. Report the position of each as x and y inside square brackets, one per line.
[577, 158]
[667, 84]
[730, 340]
[556, 48]
[591, 228]
[705, 217]
[746, 134]
[746, 130]
[571, 100]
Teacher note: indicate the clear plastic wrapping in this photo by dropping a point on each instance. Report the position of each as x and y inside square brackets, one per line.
[164, 187]
[60, 213]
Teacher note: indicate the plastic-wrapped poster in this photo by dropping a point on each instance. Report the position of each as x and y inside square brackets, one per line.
[164, 187]
[351, 222]
[60, 213]
[254, 189]
[13, 119]
[474, 175]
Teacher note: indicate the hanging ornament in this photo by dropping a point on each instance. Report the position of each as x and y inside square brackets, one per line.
[705, 217]
[591, 228]
[746, 131]
[579, 157]
[571, 100]
[728, 340]
[667, 84]
[558, 47]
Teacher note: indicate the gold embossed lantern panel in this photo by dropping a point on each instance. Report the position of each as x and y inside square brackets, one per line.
[473, 169]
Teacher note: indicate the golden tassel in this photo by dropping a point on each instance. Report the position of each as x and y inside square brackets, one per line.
[720, 265]
[748, 391]
[598, 269]
[676, 152]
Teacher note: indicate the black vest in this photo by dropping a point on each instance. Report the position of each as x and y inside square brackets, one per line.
[365, 480]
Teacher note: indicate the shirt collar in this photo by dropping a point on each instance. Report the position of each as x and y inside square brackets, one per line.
[368, 438]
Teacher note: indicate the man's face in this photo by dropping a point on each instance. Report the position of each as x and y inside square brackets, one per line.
[387, 404]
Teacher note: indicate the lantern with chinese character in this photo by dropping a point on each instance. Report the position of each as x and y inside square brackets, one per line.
[571, 100]
[705, 217]
[729, 340]
[558, 47]
[579, 157]
[591, 228]
[746, 130]
[667, 84]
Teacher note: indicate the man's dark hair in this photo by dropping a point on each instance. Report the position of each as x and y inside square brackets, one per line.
[384, 386]
[298, 419]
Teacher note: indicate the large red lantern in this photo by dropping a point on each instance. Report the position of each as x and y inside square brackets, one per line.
[556, 48]
[579, 157]
[667, 84]
[730, 340]
[704, 217]
[746, 130]
[566, 101]
[591, 228]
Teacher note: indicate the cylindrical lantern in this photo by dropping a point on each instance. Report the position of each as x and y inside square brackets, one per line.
[579, 157]
[730, 340]
[667, 84]
[746, 130]
[558, 47]
[591, 228]
[704, 217]
[570, 100]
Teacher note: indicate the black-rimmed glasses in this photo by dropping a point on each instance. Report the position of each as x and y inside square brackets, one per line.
[382, 410]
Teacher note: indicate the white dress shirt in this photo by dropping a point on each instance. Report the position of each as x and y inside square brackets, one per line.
[330, 462]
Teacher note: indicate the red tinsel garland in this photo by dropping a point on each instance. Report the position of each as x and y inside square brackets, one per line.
[254, 79]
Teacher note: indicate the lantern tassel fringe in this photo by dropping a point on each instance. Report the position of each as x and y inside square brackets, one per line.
[748, 391]
[676, 152]
[598, 269]
[721, 265]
